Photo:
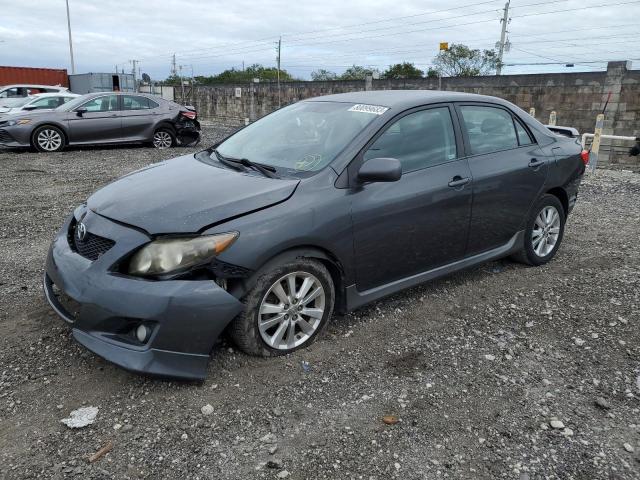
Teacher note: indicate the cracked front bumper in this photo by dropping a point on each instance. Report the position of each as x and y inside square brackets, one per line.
[103, 308]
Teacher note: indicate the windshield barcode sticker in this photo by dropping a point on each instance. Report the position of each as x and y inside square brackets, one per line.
[375, 109]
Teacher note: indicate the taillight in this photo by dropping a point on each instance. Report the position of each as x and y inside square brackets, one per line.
[585, 156]
[189, 114]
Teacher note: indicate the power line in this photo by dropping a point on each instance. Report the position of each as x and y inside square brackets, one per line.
[253, 48]
[404, 32]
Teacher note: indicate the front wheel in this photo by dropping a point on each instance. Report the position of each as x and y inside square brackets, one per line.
[544, 232]
[285, 310]
[164, 138]
[48, 139]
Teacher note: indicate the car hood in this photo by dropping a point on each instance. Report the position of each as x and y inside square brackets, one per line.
[185, 195]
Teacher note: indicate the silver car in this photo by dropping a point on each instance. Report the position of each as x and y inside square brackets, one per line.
[40, 101]
[103, 118]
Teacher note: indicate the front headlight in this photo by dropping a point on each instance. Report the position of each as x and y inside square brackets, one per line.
[22, 121]
[167, 255]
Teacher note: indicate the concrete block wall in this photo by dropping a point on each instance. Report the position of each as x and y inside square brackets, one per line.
[575, 97]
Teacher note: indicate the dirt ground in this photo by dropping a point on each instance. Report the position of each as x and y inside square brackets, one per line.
[476, 366]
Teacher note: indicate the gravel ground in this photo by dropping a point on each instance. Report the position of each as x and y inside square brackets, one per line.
[501, 371]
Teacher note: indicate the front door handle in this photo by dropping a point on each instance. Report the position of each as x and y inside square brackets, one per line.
[458, 181]
[534, 163]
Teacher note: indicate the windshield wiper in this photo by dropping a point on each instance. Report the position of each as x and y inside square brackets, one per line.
[226, 162]
[266, 170]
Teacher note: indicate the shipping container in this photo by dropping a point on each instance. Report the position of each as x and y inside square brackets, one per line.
[101, 82]
[36, 76]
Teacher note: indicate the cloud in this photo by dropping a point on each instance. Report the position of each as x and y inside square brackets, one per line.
[212, 36]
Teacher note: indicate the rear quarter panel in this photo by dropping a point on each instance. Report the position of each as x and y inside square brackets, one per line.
[568, 167]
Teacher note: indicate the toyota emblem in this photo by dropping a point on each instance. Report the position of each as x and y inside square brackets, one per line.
[81, 231]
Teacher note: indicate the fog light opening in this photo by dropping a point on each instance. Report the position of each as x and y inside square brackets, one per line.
[142, 333]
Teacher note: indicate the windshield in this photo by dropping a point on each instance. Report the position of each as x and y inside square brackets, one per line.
[303, 137]
[71, 104]
[15, 102]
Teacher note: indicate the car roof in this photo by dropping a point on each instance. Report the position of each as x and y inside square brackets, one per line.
[98, 94]
[404, 98]
[55, 94]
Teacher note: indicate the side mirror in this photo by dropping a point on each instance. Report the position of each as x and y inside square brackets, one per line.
[81, 110]
[380, 170]
[28, 108]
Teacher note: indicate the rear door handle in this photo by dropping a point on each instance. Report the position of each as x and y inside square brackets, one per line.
[535, 163]
[458, 181]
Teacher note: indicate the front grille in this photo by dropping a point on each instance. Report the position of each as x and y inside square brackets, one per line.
[91, 247]
[5, 137]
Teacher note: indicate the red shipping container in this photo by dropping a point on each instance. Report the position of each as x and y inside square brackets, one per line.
[37, 76]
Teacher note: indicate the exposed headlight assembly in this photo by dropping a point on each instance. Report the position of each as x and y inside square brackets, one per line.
[167, 255]
[21, 121]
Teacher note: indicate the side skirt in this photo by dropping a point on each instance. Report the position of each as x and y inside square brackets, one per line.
[356, 299]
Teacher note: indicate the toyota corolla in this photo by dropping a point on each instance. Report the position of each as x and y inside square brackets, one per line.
[324, 205]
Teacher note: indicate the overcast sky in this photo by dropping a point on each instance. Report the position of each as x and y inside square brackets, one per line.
[331, 34]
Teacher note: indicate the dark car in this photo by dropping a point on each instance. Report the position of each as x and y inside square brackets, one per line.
[332, 202]
[102, 118]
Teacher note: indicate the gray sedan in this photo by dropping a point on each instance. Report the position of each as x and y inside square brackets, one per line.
[102, 118]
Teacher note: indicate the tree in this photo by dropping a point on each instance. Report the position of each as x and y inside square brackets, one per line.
[356, 72]
[433, 73]
[232, 75]
[461, 61]
[403, 70]
[322, 74]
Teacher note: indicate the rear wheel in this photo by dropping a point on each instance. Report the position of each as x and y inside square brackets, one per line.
[286, 309]
[164, 138]
[544, 232]
[48, 139]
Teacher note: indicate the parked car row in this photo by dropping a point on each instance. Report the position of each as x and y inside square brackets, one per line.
[49, 122]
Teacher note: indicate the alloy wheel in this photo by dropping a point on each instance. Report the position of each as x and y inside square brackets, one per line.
[546, 231]
[162, 139]
[49, 140]
[291, 311]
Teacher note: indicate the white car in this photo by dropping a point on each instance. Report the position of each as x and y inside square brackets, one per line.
[42, 101]
[26, 89]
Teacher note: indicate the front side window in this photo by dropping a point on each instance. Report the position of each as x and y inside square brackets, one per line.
[303, 137]
[419, 140]
[490, 129]
[134, 102]
[108, 103]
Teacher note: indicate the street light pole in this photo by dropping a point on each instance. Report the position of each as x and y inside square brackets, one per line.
[73, 65]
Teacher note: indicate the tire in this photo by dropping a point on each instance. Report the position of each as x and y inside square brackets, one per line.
[48, 138]
[164, 137]
[246, 330]
[543, 233]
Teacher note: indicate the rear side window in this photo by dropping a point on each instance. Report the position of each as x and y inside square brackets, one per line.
[135, 102]
[419, 140]
[489, 129]
[523, 136]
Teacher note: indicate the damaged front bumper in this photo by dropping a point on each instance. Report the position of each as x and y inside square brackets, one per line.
[104, 308]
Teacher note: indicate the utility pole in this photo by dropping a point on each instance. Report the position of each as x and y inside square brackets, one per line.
[182, 84]
[173, 65]
[135, 75]
[73, 65]
[278, 58]
[503, 37]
